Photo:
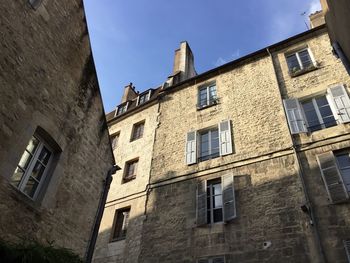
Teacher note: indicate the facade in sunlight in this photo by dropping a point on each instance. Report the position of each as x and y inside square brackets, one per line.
[248, 162]
[54, 143]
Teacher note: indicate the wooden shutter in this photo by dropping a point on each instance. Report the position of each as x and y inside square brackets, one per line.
[228, 197]
[295, 116]
[191, 148]
[340, 103]
[225, 138]
[331, 177]
[347, 248]
[201, 203]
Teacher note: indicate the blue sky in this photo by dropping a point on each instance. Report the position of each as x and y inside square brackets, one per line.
[134, 41]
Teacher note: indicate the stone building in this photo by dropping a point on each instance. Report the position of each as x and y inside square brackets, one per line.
[54, 144]
[248, 162]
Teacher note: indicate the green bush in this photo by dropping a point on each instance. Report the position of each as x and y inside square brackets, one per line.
[33, 252]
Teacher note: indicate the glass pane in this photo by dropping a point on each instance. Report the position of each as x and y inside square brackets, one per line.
[32, 145]
[321, 101]
[217, 201]
[25, 159]
[212, 92]
[326, 111]
[305, 58]
[44, 155]
[31, 187]
[17, 176]
[218, 215]
[343, 160]
[38, 171]
[293, 63]
[217, 189]
[329, 121]
[308, 106]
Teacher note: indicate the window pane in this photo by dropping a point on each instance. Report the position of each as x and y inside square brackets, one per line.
[217, 201]
[343, 160]
[329, 121]
[30, 187]
[17, 176]
[218, 215]
[38, 171]
[217, 189]
[305, 58]
[25, 159]
[293, 63]
[32, 145]
[44, 155]
[311, 116]
[212, 93]
[203, 97]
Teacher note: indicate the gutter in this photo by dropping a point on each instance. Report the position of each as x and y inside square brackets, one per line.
[99, 214]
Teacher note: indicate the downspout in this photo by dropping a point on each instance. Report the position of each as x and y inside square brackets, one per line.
[308, 205]
[99, 214]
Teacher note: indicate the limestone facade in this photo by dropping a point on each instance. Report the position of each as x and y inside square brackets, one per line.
[49, 89]
[282, 212]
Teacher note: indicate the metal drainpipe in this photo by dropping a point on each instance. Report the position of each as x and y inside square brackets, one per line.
[99, 213]
[313, 220]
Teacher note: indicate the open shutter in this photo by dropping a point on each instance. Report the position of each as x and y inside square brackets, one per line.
[347, 248]
[228, 197]
[331, 177]
[191, 148]
[295, 116]
[202, 203]
[225, 138]
[340, 103]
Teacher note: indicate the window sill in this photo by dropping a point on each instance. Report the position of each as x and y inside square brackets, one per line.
[31, 204]
[207, 106]
[136, 139]
[117, 239]
[128, 179]
[303, 71]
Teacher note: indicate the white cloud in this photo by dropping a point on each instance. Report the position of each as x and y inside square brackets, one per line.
[236, 54]
[220, 61]
[314, 6]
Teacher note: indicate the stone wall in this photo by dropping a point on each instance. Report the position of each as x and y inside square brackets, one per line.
[48, 80]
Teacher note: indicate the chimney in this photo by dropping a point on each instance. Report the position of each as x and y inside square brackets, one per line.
[317, 19]
[129, 93]
[183, 64]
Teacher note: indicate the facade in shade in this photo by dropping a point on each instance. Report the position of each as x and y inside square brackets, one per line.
[54, 144]
[248, 162]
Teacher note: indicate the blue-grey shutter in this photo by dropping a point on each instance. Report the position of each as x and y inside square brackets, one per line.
[191, 148]
[340, 103]
[347, 248]
[225, 138]
[331, 177]
[295, 116]
[201, 203]
[228, 197]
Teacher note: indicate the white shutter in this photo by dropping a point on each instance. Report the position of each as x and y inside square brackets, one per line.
[191, 148]
[228, 197]
[340, 103]
[295, 116]
[225, 138]
[347, 248]
[331, 177]
[201, 203]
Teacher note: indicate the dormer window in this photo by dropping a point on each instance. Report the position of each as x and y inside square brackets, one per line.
[122, 108]
[144, 97]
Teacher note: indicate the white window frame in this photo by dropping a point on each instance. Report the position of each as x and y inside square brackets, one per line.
[148, 97]
[28, 171]
[211, 195]
[207, 88]
[296, 53]
[124, 105]
[199, 146]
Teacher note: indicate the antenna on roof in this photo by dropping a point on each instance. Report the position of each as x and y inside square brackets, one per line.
[303, 14]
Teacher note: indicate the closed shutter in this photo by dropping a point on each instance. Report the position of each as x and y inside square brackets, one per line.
[225, 138]
[191, 148]
[228, 197]
[295, 116]
[340, 103]
[332, 178]
[347, 248]
[202, 203]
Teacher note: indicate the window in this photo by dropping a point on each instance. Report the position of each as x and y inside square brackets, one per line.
[300, 61]
[209, 144]
[35, 3]
[207, 96]
[121, 220]
[144, 97]
[335, 171]
[347, 248]
[122, 108]
[319, 112]
[32, 167]
[115, 139]
[137, 131]
[216, 259]
[216, 200]
[212, 143]
[130, 170]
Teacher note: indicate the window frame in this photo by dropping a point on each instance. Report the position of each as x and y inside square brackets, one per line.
[134, 129]
[302, 67]
[35, 4]
[123, 106]
[211, 259]
[209, 101]
[126, 177]
[200, 133]
[27, 172]
[341, 153]
[209, 185]
[147, 95]
[115, 139]
[125, 223]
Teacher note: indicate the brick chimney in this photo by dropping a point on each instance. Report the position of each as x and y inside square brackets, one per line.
[183, 64]
[129, 93]
[317, 19]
